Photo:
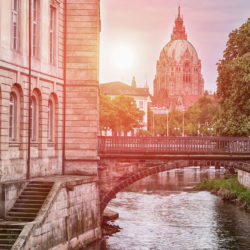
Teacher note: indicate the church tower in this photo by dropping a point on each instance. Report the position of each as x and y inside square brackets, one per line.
[178, 70]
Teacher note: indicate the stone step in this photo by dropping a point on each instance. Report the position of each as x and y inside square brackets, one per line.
[10, 231]
[41, 184]
[8, 236]
[21, 214]
[11, 226]
[35, 189]
[27, 205]
[29, 192]
[31, 197]
[5, 246]
[19, 219]
[7, 241]
[25, 210]
[29, 201]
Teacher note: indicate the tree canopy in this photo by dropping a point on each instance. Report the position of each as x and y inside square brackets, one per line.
[233, 85]
[119, 114]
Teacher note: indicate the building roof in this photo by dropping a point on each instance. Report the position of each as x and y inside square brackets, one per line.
[179, 45]
[118, 88]
[177, 48]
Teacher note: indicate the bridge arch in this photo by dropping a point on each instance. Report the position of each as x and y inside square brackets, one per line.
[126, 180]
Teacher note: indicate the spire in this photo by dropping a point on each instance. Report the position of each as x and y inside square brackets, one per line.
[133, 82]
[179, 32]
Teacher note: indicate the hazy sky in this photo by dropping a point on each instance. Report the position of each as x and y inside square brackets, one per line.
[141, 28]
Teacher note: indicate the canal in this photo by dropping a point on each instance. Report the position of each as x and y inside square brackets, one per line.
[162, 212]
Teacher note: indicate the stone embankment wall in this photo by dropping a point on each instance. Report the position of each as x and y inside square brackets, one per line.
[244, 178]
[69, 219]
[9, 191]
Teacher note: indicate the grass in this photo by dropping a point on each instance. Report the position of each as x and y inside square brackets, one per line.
[230, 185]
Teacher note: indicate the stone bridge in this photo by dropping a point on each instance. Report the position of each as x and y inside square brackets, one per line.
[124, 160]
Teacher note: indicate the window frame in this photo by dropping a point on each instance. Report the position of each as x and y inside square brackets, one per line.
[52, 34]
[15, 24]
[13, 117]
[51, 121]
[33, 119]
[35, 27]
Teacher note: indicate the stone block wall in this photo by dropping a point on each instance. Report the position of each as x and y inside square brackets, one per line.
[244, 178]
[9, 193]
[82, 89]
[69, 219]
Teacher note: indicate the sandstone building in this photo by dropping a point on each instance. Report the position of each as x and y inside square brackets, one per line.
[49, 59]
[178, 71]
[141, 96]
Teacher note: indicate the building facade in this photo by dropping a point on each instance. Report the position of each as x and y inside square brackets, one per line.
[49, 59]
[178, 70]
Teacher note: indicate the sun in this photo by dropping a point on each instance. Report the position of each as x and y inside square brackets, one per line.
[123, 57]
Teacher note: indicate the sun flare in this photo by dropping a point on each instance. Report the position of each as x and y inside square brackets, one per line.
[123, 57]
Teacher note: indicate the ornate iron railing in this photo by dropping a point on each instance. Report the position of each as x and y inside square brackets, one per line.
[174, 145]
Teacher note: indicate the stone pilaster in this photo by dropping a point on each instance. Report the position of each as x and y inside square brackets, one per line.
[82, 91]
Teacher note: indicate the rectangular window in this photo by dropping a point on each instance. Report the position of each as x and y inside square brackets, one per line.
[35, 20]
[52, 34]
[15, 24]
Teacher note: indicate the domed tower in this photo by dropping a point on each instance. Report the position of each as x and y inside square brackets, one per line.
[178, 70]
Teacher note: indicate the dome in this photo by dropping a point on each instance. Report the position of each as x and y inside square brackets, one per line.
[176, 49]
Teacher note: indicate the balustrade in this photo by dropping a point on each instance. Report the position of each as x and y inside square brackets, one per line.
[205, 145]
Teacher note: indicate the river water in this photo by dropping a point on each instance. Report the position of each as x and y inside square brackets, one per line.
[161, 212]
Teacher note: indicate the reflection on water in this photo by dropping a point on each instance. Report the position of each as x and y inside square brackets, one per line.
[159, 212]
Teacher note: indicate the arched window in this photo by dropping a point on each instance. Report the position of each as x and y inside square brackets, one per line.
[50, 121]
[12, 116]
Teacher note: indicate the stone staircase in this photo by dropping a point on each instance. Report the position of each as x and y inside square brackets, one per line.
[9, 234]
[24, 210]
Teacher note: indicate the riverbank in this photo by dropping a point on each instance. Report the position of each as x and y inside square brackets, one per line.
[229, 189]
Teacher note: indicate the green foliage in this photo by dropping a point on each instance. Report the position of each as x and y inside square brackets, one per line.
[234, 188]
[119, 114]
[106, 112]
[233, 85]
[199, 118]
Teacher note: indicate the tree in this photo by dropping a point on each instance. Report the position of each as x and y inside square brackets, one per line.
[106, 112]
[119, 114]
[233, 85]
[199, 118]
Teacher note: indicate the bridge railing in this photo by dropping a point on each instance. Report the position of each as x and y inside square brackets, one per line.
[205, 145]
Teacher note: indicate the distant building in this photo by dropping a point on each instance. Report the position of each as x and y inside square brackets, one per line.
[141, 96]
[178, 80]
